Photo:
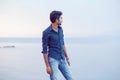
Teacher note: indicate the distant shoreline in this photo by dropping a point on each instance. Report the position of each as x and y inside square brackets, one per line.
[87, 39]
[20, 40]
[7, 45]
[12, 46]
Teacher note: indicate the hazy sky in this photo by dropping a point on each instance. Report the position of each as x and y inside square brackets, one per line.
[28, 18]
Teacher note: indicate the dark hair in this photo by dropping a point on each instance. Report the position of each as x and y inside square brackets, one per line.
[55, 15]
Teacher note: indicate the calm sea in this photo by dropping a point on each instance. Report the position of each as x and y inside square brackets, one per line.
[92, 58]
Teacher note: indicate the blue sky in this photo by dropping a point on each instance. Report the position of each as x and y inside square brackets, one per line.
[28, 18]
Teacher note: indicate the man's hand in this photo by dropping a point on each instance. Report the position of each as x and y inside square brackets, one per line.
[49, 70]
[68, 62]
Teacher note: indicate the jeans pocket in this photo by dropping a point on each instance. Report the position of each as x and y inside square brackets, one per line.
[51, 60]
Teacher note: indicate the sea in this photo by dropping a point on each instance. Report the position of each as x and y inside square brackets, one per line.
[91, 57]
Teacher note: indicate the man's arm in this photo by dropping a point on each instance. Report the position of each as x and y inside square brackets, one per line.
[45, 55]
[46, 60]
[66, 55]
[48, 68]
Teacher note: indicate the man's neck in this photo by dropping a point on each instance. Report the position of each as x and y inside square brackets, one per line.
[55, 26]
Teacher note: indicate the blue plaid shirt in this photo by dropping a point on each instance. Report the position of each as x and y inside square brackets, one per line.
[52, 43]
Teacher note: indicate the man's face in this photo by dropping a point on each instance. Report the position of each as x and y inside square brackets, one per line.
[59, 21]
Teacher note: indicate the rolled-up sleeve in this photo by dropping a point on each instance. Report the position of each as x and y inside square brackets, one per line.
[44, 42]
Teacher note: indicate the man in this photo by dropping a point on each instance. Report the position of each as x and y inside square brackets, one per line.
[54, 51]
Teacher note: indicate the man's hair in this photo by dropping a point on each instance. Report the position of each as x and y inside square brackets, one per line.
[55, 15]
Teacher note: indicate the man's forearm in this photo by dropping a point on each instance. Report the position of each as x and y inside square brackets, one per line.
[46, 60]
[65, 52]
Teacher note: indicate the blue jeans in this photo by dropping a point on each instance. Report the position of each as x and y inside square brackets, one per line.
[59, 65]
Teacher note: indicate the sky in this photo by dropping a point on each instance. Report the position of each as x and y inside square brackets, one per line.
[28, 18]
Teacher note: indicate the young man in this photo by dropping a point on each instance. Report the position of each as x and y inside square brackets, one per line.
[54, 51]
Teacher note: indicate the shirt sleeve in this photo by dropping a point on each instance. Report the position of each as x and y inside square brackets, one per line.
[63, 43]
[44, 42]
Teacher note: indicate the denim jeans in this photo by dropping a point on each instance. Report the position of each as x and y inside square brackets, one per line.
[61, 65]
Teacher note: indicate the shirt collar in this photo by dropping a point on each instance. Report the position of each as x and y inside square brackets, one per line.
[50, 27]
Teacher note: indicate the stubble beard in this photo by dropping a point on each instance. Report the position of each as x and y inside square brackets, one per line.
[59, 24]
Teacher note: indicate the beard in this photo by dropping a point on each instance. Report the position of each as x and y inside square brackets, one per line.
[59, 24]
